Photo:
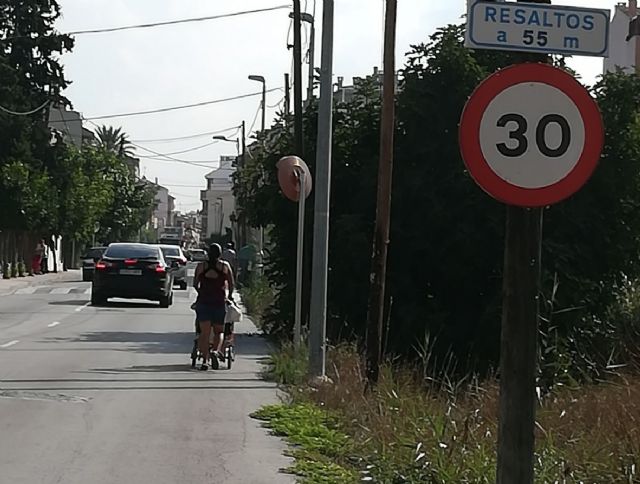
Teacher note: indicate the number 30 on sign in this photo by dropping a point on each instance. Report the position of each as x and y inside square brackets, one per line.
[531, 135]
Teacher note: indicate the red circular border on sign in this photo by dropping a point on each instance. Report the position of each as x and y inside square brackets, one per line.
[469, 135]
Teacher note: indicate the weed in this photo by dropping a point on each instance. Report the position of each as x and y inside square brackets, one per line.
[256, 296]
[319, 444]
[288, 366]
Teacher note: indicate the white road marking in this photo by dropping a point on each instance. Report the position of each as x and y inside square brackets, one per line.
[61, 290]
[10, 343]
[82, 307]
[26, 290]
[53, 325]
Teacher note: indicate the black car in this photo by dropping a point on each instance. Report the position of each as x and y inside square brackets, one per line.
[133, 271]
[89, 260]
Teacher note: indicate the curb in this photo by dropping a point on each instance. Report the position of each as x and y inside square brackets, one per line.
[10, 285]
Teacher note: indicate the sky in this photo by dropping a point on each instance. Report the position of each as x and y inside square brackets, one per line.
[146, 69]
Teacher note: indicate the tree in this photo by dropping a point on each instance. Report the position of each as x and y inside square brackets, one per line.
[114, 140]
[30, 77]
[447, 241]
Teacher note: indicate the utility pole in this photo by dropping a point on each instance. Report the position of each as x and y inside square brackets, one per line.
[383, 212]
[297, 78]
[312, 48]
[287, 95]
[318, 309]
[244, 142]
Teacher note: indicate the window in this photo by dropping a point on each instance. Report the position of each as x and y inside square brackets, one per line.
[171, 251]
[133, 251]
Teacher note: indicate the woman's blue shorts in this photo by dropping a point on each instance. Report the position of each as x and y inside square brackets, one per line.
[215, 314]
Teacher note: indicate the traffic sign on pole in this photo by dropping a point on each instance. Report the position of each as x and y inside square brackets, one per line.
[295, 181]
[531, 135]
[539, 28]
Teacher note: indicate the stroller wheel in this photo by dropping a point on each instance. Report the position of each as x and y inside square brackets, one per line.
[194, 354]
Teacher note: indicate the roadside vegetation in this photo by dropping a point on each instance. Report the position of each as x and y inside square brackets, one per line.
[257, 295]
[433, 417]
[419, 429]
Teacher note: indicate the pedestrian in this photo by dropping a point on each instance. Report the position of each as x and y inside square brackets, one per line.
[36, 261]
[45, 257]
[229, 255]
[212, 280]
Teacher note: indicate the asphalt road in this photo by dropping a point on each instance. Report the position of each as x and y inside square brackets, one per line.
[106, 396]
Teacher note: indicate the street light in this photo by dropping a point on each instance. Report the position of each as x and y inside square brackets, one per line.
[264, 109]
[224, 138]
[307, 17]
[264, 96]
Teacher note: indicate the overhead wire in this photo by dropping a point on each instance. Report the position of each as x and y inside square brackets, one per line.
[184, 106]
[162, 24]
[168, 158]
[25, 113]
[255, 120]
[189, 137]
[189, 150]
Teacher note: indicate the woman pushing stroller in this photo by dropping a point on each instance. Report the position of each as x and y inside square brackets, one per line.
[211, 280]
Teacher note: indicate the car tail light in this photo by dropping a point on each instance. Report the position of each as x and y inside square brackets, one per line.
[101, 265]
[130, 262]
[160, 268]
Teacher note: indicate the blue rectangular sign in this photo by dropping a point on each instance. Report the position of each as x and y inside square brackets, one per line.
[541, 28]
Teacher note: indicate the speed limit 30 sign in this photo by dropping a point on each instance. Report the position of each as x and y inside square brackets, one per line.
[531, 135]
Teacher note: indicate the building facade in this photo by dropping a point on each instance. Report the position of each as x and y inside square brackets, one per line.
[622, 52]
[218, 202]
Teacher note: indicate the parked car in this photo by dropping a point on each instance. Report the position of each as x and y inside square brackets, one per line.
[133, 271]
[89, 260]
[173, 253]
[198, 255]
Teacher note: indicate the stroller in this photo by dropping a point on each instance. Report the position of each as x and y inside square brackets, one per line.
[227, 355]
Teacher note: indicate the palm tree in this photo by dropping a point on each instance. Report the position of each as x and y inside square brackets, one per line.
[114, 140]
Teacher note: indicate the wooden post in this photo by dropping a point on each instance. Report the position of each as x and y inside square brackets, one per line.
[287, 95]
[383, 213]
[518, 353]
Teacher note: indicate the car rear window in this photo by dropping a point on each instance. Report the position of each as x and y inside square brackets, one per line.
[170, 251]
[131, 251]
[95, 253]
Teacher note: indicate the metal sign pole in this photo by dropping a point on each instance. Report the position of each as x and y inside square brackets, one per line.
[297, 328]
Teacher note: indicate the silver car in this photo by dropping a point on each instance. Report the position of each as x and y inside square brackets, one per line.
[176, 258]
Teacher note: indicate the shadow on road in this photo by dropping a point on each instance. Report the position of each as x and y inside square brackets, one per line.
[142, 342]
[247, 347]
[210, 385]
[70, 302]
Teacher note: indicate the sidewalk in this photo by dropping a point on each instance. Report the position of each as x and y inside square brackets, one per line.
[9, 285]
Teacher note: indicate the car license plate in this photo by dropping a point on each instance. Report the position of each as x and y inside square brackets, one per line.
[130, 272]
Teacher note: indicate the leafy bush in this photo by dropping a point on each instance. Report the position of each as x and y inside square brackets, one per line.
[6, 270]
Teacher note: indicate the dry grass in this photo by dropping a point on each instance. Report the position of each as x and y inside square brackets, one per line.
[410, 430]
